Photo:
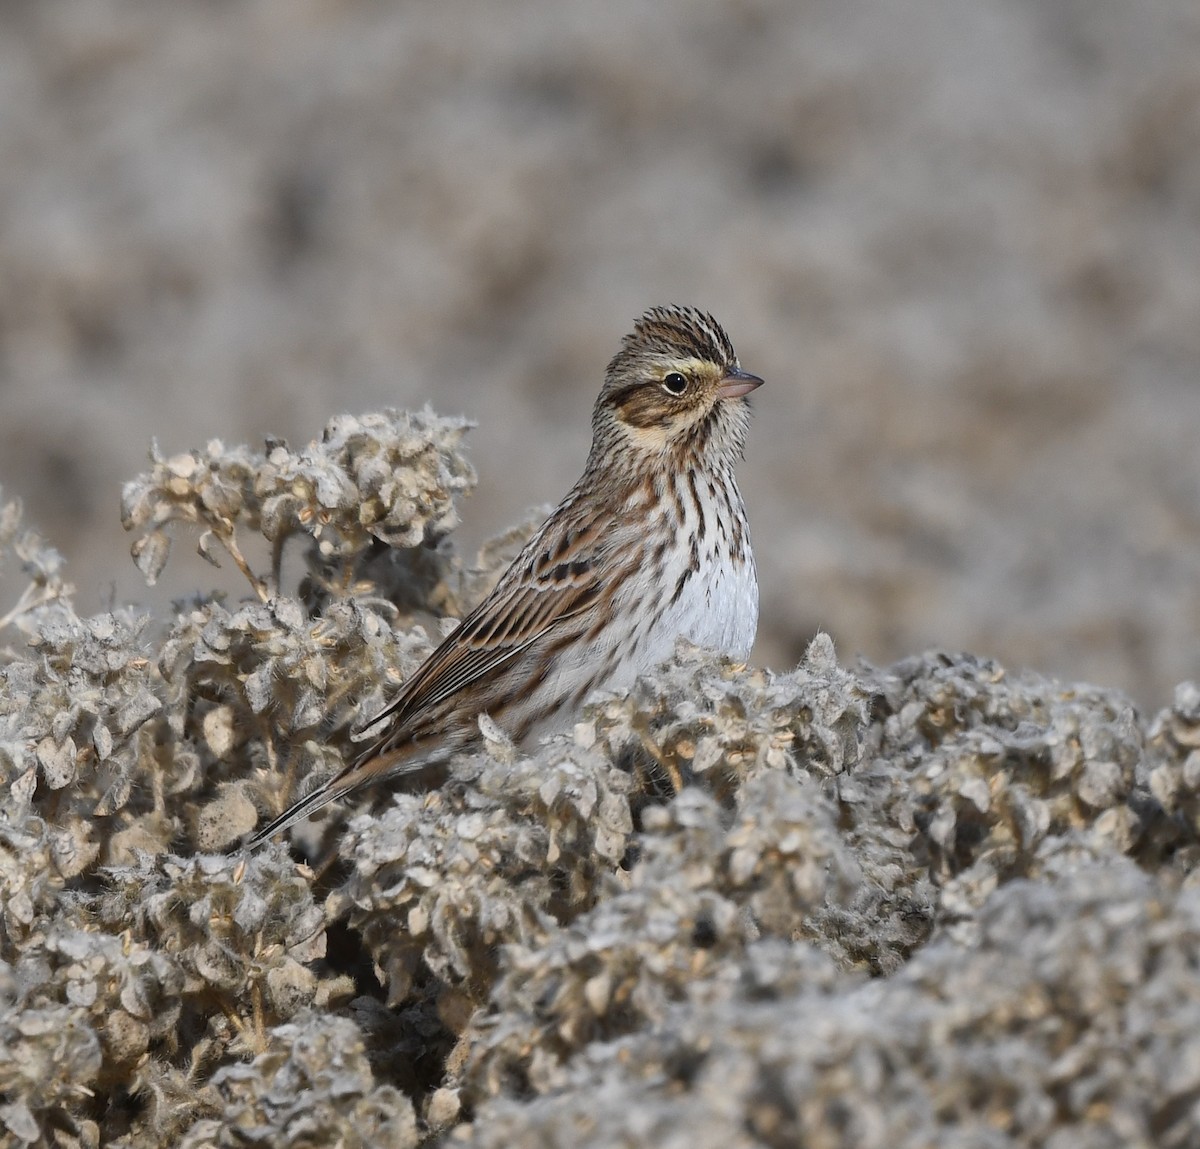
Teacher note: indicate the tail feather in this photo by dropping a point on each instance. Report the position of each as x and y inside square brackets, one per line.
[366, 770]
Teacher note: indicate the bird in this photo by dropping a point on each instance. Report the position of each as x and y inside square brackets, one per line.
[650, 545]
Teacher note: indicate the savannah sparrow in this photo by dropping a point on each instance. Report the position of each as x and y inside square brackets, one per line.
[649, 545]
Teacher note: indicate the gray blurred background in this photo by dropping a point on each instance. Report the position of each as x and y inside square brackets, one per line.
[960, 240]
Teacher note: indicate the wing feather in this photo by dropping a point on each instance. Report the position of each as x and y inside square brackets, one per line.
[532, 599]
[524, 607]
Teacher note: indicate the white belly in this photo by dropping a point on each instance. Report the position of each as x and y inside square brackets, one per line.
[716, 607]
[719, 612]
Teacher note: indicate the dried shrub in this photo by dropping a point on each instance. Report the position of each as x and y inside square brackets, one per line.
[931, 903]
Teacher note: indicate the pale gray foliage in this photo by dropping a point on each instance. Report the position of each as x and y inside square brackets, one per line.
[313, 1087]
[391, 476]
[935, 903]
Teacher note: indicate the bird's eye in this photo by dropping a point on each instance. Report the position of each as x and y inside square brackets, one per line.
[675, 383]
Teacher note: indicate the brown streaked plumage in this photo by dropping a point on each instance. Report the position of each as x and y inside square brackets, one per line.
[649, 545]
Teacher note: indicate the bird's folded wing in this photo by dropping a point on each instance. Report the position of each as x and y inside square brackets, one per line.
[505, 624]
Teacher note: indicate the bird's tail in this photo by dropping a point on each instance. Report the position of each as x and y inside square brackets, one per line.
[369, 768]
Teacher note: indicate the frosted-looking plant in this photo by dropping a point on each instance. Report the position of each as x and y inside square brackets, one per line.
[391, 477]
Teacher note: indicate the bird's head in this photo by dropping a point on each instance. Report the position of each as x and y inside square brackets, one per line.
[675, 385]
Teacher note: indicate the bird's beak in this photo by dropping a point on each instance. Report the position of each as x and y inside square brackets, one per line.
[737, 383]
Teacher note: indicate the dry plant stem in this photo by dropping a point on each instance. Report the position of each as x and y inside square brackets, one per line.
[30, 601]
[289, 777]
[256, 1000]
[55, 799]
[665, 763]
[237, 1022]
[324, 865]
[273, 758]
[160, 797]
[277, 559]
[229, 542]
